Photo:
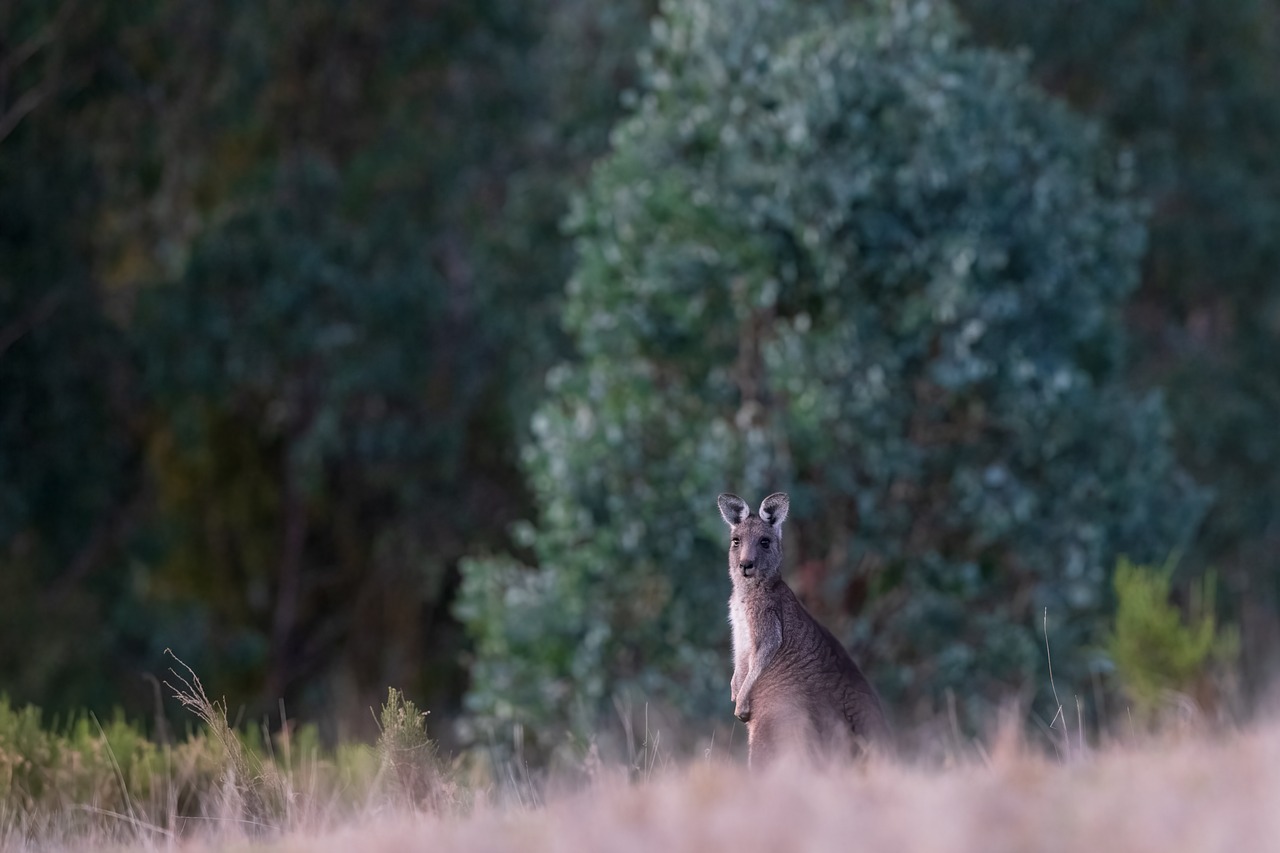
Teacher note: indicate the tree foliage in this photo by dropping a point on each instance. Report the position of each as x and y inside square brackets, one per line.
[277, 288]
[337, 355]
[854, 257]
[280, 283]
[307, 377]
[67, 462]
[1189, 88]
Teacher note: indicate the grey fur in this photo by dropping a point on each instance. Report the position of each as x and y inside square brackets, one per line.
[794, 685]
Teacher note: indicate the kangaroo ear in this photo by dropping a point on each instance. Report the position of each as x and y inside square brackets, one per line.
[773, 509]
[733, 509]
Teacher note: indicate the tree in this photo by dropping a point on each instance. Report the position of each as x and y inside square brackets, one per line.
[359, 310]
[415, 158]
[1189, 89]
[848, 255]
[313, 417]
[68, 470]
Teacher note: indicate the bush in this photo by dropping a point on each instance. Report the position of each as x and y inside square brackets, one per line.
[1156, 652]
[113, 784]
[849, 256]
[413, 772]
[70, 776]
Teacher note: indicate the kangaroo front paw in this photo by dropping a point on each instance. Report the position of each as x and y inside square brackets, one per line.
[743, 710]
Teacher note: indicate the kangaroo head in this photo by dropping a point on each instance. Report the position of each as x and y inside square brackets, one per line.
[755, 541]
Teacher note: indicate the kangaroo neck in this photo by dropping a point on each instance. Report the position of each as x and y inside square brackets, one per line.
[751, 587]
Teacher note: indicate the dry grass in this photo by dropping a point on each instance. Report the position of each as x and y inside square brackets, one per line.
[1166, 796]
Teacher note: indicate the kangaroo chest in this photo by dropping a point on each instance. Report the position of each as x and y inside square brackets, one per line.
[739, 624]
[753, 612]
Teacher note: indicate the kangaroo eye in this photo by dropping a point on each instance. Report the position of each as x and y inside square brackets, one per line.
[765, 543]
[734, 543]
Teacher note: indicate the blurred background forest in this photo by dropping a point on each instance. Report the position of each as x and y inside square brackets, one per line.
[409, 342]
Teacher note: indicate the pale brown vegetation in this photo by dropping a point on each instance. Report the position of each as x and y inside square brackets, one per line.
[1164, 795]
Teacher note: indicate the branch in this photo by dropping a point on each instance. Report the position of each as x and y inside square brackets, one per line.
[39, 313]
[29, 48]
[107, 534]
[28, 102]
[47, 37]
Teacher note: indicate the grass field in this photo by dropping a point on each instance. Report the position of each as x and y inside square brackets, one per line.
[1175, 794]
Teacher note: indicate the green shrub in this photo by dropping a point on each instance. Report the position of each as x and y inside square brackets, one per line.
[413, 773]
[82, 774]
[111, 782]
[1155, 650]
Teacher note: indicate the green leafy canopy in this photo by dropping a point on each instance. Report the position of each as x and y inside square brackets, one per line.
[848, 255]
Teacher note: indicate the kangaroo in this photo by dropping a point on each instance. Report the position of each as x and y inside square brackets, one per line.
[794, 685]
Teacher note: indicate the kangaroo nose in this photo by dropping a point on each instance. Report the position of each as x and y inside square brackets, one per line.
[747, 566]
